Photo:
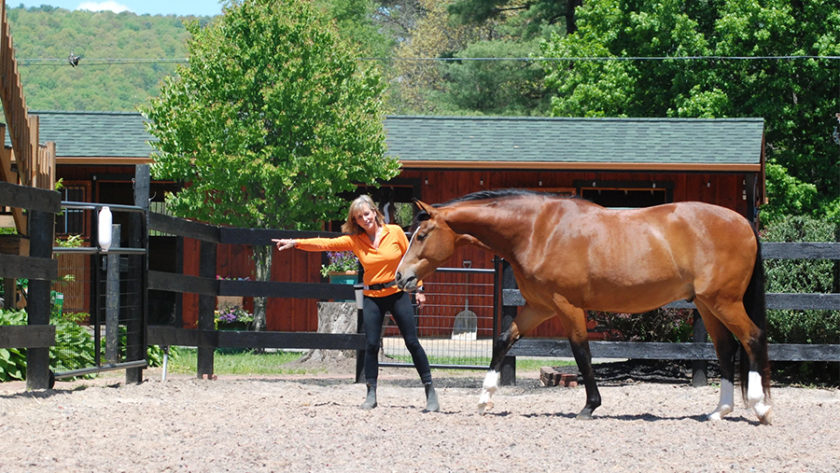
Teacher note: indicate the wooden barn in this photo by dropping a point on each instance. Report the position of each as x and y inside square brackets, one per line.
[617, 162]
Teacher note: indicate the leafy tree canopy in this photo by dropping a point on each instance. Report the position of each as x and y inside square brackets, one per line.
[524, 18]
[798, 97]
[270, 121]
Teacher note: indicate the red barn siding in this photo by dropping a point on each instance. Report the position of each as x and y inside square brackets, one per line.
[434, 186]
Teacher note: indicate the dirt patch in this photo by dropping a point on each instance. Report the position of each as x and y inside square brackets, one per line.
[312, 423]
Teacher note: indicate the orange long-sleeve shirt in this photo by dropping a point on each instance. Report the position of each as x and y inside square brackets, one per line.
[380, 263]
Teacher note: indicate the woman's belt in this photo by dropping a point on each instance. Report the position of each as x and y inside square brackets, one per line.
[384, 285]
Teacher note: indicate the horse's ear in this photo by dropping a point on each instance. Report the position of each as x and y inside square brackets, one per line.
[424, 207]
[471, 240]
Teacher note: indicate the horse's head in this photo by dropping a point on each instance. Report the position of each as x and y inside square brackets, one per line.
[432, 243]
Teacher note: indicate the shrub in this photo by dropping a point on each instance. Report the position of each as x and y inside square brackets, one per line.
[12, 360]
[661, 325]
[801, 276]
[74, 348]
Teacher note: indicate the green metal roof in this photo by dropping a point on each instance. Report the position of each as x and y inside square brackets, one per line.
[417, 139]
[471, 141]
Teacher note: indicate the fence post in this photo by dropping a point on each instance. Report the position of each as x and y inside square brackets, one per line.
[38, 300]
[138, 237]
[698, 367]
[360, 321]
[206, 307]
[112, 299]
[508, 370]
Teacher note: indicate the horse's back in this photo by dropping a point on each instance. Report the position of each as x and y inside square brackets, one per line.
[636, 259]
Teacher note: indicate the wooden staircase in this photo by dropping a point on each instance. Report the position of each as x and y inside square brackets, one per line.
[27, 162]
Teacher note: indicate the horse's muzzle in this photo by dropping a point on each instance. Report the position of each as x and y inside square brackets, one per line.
[406, 282]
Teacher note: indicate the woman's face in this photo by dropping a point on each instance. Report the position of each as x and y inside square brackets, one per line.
[365, 217]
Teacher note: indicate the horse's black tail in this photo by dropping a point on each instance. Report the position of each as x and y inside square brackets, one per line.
[755, 304]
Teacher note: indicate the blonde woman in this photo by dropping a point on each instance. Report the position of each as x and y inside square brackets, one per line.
[380, 248]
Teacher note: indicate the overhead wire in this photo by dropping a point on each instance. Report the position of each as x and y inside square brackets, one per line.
[115, 61]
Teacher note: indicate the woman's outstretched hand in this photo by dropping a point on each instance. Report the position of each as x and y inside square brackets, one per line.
[283, 244]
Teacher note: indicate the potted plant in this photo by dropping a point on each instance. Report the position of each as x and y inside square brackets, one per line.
[341, 267]
[233, 318]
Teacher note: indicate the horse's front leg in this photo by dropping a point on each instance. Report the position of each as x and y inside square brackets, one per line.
[491, 381]
[527, 319]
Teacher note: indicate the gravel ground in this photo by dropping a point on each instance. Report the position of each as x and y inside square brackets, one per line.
[312, 423]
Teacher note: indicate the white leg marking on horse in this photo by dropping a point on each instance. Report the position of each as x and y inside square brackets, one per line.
[727, 400]
[491, 384]
[755, 398]
[754, 391]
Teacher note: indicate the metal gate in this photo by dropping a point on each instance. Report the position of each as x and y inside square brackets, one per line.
[457, 324]
[116, 267]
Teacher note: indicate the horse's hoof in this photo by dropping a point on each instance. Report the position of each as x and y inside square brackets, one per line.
[719, 413]
[483, 407]
[767, 418]
[585, 414]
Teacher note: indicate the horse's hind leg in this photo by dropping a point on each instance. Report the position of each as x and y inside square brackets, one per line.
[583, 358]
[575, 319]
[725, 347]
[735, 319]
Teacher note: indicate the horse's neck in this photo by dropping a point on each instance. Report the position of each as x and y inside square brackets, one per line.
[499, 227]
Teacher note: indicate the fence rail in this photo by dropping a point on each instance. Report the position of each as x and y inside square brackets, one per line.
[208, 288]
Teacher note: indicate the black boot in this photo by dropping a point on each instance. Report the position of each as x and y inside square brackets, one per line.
[431, 399]
[370, 400]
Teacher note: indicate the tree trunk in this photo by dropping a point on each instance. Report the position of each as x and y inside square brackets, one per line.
[334, 317]
[262, 263]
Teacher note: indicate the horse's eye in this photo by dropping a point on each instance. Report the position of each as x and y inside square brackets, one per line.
[421, 236]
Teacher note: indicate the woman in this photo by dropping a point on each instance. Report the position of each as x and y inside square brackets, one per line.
[380, 248]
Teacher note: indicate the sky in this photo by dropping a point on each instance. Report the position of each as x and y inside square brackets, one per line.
[140, 7]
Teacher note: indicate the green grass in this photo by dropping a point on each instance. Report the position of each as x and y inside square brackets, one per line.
[184, 361]
[523, 364]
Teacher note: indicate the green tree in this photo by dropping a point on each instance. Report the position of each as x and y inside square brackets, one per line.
[271, 120]
[450, 62]
[419, 79]
[531, 16]
[494, 87]
[355, 20]
[798, 97]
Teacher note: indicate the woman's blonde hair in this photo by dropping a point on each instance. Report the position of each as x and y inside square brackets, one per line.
[350, 226]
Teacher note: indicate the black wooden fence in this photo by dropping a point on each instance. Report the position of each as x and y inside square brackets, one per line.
[699, 350]
[208, 287]
[39, 267]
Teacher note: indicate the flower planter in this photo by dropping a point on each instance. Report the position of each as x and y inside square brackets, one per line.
[234, 326]
[345, 277]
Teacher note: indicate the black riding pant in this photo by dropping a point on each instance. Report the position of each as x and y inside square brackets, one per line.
[399, 304]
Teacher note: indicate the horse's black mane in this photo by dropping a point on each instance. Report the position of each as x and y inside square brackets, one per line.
[488, 195]
[498, 194]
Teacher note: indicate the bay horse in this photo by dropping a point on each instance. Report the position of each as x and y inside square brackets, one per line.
[569, 255]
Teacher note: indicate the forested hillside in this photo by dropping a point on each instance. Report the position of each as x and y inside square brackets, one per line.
[123, 57]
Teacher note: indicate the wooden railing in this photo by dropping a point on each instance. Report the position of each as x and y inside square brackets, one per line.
[35, 163]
